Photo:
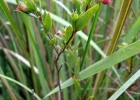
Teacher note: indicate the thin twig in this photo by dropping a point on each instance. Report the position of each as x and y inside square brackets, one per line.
[56, 62]
[40, 19]
[58, 55]
[62, 50]
[58, 78]
[60, 67]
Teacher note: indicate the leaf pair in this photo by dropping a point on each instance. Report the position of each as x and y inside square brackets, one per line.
[80, 21]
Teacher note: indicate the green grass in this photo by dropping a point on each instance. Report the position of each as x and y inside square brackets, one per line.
[24, 47]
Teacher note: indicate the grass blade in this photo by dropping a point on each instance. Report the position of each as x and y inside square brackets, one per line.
[125, 86]
[133, 31]
[25, 87]
[103, 64]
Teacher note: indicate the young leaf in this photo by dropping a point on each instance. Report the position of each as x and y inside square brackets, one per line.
[86, 86]
[71, 57]
[70, 68]
[123, 45]
[88, 2]
[83, 18]
[77, 4]
[68, 33]
[31, 5]
[47, 22]
[74, 17]
[77, 68]
[132, 31]
[90, 98]
[52, 41]
[76, 47]
[77, 85]
[84, 4]
[60, 38]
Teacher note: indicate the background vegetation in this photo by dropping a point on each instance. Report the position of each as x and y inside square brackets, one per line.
[107, 69]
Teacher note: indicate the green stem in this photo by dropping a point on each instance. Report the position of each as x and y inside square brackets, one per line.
[116, 34]
[119, 25]
[90, 35]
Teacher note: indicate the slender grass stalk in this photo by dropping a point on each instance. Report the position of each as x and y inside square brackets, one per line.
[90, 35]
[119, 24]
[37, 56]
[116, 33]
[10, 79]
[17, 33]
[125, 86]
[103, 64]
[8, 87]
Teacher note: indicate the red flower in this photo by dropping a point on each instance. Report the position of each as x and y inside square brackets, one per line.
[107, 2]
[21, 8]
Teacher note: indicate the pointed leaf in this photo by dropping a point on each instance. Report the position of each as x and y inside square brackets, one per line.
[103, 64]
[47, 22]
[90, 98]
[133, 31]
[86, 86]
[77, 68]
[74, 17]
[83, 18]
[77, 4]
[68, 33]
[52, 41]
[77, 85]
[31, 5]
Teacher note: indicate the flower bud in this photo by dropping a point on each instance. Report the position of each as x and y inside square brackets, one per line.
[22, 8]
[107, 2]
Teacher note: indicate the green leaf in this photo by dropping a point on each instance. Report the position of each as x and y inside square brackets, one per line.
[91, 34]
[84, 18]
[123, 45]
[76, 47]
[133, 31]
[77, 85]
[73, 17]
[47, 22]
[88, 2]
[86, 86]
[71, 58]
[125, 86]
[60, 38]
[103, 64]
[90, 98]
[31, 5]
[20, 84]
[52, 41]
[77, 4]
[70, 68]
[68, 33]
[77, 68]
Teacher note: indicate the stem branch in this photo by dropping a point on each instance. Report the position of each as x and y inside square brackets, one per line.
[58, 55]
